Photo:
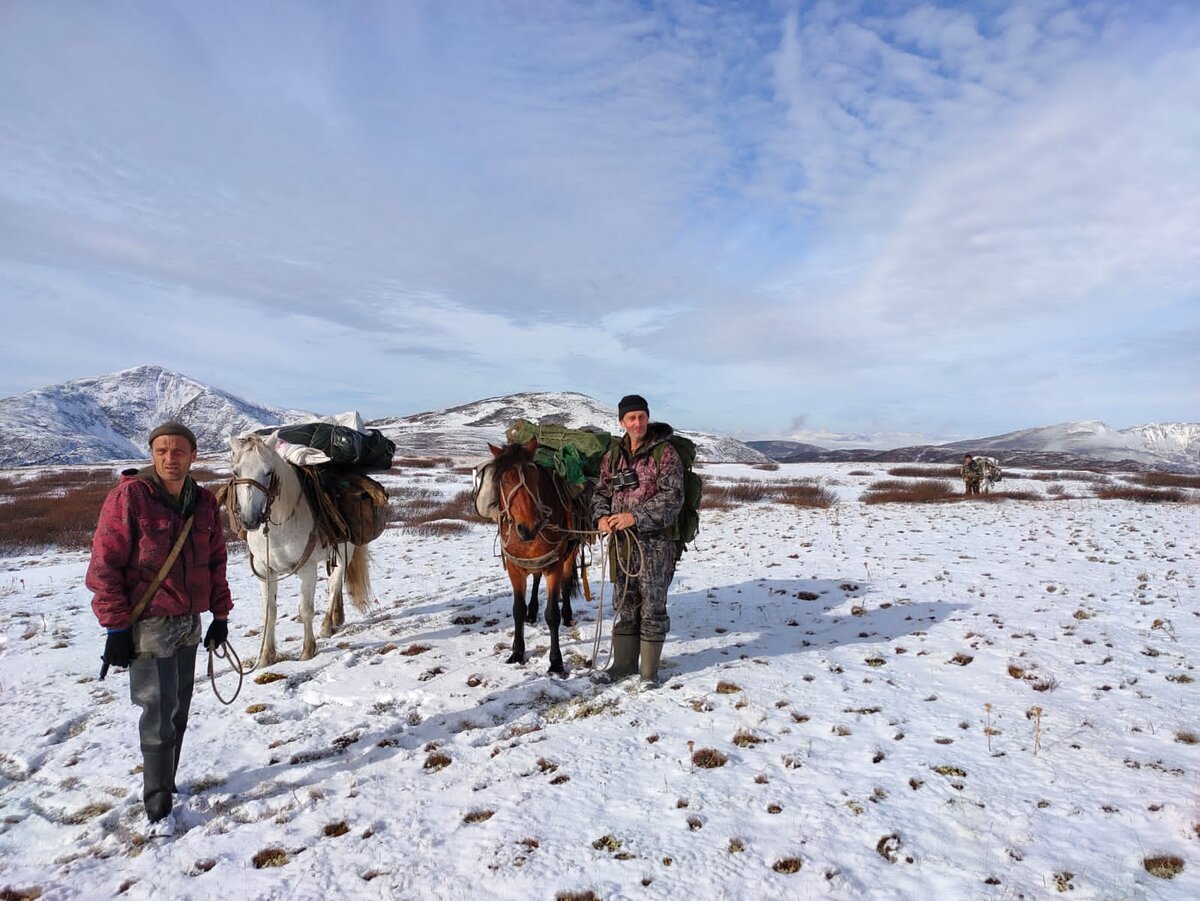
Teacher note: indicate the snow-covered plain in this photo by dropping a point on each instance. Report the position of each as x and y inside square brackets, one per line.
[871, 673]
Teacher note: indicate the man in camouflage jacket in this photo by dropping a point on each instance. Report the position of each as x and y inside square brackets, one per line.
[972, 474]
[140, 522]
[640, 491]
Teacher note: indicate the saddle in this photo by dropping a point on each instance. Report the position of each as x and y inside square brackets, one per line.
[348, 506]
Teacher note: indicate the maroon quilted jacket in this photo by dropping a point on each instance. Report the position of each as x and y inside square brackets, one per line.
[134, 536]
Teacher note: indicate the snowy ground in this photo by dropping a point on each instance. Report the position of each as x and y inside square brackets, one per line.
[873, 675]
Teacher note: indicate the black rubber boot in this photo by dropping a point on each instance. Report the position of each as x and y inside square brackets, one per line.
[185, 659]
[651, 656]
[624, 660]
[153, 686]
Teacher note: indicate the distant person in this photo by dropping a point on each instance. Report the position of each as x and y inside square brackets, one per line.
[972, 474]
[158, 562]
[641, 490]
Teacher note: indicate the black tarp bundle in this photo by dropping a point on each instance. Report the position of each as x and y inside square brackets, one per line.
[369, 451]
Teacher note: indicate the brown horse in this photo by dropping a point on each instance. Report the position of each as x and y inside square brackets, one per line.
[536, 519]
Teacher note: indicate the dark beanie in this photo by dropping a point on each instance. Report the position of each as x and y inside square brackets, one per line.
[170, 427]
[632, 402]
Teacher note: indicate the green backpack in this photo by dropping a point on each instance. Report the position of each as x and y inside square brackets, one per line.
[687, 524]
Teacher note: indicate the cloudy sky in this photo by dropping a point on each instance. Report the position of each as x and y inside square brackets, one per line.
[885, 221]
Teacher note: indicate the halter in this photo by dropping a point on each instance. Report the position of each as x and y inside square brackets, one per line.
[508, 523]
[270, 490]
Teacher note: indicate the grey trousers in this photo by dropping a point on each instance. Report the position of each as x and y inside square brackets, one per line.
[162, 677]
[640, 602]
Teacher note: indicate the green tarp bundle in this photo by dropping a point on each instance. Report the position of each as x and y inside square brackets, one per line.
[574, 454]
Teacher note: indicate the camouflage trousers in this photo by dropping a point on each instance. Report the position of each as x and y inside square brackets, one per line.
[971, 486]
[640, 603]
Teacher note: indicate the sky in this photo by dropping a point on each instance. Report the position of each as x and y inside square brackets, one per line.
[841, 223]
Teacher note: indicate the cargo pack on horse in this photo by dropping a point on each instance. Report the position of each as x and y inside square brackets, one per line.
[537, 536]
[284, 534]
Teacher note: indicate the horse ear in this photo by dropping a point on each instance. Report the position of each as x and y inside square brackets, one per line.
[495, 450]
[234, 442]
[531, 445]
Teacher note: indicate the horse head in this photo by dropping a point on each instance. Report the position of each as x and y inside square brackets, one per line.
[518, 480]
[254, 480]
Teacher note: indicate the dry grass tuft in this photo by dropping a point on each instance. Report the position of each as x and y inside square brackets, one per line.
[727, 688]
[268, 678]
[478, 816]
[1187, 738]
[744, 738]
[333, 830]
[437, 761]
[787, 865]
[414, 649]
[270, 857]
[1164, 866]
[587, 895]
[709, 758]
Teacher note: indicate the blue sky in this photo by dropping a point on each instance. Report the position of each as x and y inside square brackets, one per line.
[889, 222]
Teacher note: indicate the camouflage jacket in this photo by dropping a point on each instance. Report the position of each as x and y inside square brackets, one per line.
[658, 497]
[972, 472]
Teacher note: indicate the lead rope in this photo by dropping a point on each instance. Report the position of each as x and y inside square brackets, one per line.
[624, 560]
[226, 652]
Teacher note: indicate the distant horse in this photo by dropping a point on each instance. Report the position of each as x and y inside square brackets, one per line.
[536, 522]
[991, 472]
[282, 536]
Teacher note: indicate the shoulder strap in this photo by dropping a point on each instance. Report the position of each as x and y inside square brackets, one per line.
[136, 613]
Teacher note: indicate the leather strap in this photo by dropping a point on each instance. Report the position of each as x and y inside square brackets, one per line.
[140, 606]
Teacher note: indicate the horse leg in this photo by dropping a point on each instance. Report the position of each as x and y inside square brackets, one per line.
[270, 587]
[568, 615]
[553, 589]
[308, 589]
[517, 578]
[532, 610]
[335, 616]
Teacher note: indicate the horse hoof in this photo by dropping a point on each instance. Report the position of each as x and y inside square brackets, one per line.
[514, 657]
[559, 670]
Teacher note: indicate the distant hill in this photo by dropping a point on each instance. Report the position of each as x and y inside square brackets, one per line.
[96, 420]
[108, 417]
[467, 430]
[1073, 445]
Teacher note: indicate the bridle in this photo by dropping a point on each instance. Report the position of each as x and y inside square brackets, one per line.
[270, 491]
[508, 523]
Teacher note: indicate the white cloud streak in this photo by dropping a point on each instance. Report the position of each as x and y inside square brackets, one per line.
[728, 207]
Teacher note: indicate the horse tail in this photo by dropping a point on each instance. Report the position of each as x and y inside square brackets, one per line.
[358, 577]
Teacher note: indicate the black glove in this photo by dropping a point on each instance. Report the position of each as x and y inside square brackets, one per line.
[118, 648]
[216, 634]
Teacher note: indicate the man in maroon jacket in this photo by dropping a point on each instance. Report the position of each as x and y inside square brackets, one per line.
[140, 522]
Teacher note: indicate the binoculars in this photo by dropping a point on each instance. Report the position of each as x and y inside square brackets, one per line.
[627, 478]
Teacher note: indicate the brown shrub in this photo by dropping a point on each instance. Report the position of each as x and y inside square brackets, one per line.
[927, 472]
[767, 467]
[1143, 495]
[805, 493]
[709, 758]
[892, 491]
[52, 509]
[1167, 480]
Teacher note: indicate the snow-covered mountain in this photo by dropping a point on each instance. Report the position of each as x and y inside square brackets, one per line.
[108, 417]
[1168, 444]
[94, 420]
[466, 430]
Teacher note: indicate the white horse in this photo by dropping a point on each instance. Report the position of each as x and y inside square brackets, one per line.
[283, 540]
[991, 472]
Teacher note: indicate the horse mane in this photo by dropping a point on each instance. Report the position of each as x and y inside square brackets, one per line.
[511, 455]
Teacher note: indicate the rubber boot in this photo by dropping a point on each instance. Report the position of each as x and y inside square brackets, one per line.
[185, 659]
[153, 686]
[624, 660]
[651, 656]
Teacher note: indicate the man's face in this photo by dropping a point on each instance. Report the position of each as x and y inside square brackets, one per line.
[635, 423]
[173, 456]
